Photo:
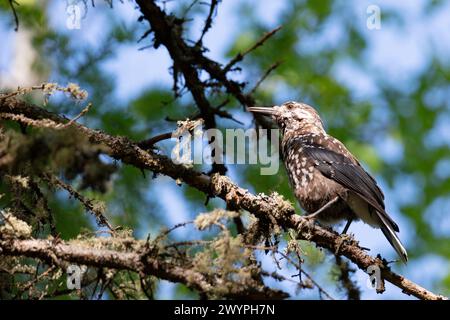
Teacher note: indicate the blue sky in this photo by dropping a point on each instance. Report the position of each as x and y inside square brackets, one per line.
[406, 49]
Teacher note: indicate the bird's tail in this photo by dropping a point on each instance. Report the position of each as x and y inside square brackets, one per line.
[393, 239]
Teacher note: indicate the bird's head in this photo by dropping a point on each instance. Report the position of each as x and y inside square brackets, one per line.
[293, 116]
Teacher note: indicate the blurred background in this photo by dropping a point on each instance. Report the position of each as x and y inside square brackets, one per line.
[383, 91]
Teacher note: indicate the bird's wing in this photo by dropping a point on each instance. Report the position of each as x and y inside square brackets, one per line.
[349, 173]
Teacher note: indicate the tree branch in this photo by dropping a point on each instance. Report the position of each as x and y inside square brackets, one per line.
[169, 32]
[271, 208]
[139, 262]
[87, 203]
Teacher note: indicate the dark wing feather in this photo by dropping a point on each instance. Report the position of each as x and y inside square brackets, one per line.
[349, 174]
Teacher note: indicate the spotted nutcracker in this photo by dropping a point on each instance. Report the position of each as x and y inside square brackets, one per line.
[328, 180]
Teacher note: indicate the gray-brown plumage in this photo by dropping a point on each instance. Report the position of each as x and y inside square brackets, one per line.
[327, 179]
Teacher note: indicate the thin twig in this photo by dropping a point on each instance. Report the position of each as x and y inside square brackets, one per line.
[189, 8]
[145, 35]
[208, 21]
[188, 243]
[177, 226]
[149, 143]
[31, 283]
[258, 43]
[48, 88]
[87, 203]
[16, 18]
[298, 266]
[226, 115]
[82, 113]
[264, 76]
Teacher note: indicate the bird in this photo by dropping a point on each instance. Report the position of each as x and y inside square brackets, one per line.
[327, 179]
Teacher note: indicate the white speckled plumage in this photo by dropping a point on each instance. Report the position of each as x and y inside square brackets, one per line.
[320, 169]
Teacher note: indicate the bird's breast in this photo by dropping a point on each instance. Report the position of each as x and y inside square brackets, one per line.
[312, 189]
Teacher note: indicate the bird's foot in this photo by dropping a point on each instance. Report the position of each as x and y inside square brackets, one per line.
[348, 238]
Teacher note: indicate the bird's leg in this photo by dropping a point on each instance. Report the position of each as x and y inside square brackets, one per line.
[314, 215]
[349, 222]
[344, 236]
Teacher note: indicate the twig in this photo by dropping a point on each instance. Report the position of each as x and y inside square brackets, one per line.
[188, 243]
[73, 89]
[259, 43]
[149, 143]
[226, 115]
[166, 232]
[208, 21]
[31, 283]
[264, 76]
[299, 267]
[82, 113]
[16, 18]
[88, 204]
[145, 35]
[189, 8]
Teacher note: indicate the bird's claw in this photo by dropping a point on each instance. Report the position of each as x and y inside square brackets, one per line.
[343, 238]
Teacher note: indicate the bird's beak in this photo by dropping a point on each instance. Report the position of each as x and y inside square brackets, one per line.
[269, 111]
